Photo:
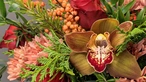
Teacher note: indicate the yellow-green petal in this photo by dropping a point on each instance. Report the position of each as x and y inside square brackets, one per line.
[124, 65]
[104, 25]
[79, 61]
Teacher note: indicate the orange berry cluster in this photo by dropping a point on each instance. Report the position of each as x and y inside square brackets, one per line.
[34, 3]
[68, 15]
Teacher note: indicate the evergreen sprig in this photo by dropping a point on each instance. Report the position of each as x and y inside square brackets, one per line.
[40, 18]
[136, 35]
[57, 60]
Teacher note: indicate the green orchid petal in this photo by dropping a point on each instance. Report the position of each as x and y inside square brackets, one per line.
[79, 61]
[77, 41]
[117, 38]
[104, 25]
[124, 65]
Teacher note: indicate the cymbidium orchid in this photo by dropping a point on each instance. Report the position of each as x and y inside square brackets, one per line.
[94, 50]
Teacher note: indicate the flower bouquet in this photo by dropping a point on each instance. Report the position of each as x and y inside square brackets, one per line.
[75, 40]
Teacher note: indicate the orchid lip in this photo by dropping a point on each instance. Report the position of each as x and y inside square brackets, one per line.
[100, 54]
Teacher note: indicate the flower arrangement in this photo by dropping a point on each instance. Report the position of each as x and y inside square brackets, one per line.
[75, 40]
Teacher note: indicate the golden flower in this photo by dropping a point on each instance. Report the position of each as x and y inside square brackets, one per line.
[94, 50]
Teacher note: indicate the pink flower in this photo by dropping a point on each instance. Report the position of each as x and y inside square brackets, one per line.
[89, 11]
[14, 68]
[139, 4]
[27, 54]
[9, 36]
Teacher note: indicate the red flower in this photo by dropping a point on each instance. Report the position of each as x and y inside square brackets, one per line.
[9, 39]
[89, 11]
[86, 5]
[87, 18]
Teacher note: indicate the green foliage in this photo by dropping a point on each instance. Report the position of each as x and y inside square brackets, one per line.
[110, 10]
[136, 35]
[141, 17]
[122, 13]
[127, 7]
[119, 11]
[2, 70]
[3, 8]
[9, 53]
[101, 77]
[57, 60]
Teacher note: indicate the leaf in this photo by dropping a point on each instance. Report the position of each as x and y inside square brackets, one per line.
[23, 18]
[2, 70]
[9, 21]
[127, 7]
[136, 31]
[127, 17]
[108, 7]
[13, 7]
[141, 14]
[120, 15]
[120, 2]
[114, 2]
[3, 8]
[111, 80]
[2, 24]
[100, 77]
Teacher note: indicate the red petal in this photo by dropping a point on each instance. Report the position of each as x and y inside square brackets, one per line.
[99, 61]
[87, 18]
[9, 35]
[87, 5]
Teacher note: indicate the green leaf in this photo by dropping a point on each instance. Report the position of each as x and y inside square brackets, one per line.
[13, 7]
[2, 24]
[3, 8]
[111, 80]
[120, 2]
[9, 21]
[114, 2]
[136, 31]
[108, 7]
[2, 70]
[121, 17]
[127, 17]
[127, 7]
[100, 77]
[23, 18]
[2, 21]
[141, 14]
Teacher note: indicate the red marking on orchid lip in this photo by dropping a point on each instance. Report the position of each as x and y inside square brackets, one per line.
[99, 59]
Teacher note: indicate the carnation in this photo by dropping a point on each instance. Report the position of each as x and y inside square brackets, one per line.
[27, 54]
